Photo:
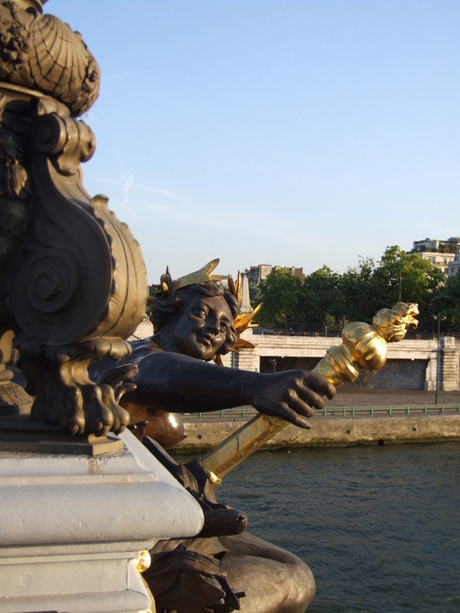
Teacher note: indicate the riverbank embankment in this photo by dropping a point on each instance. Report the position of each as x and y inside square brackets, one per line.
[352, 418]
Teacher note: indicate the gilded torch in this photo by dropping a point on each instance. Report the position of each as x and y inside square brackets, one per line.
[364, 346]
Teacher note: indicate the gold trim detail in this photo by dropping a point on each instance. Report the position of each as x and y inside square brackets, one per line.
[143, 561]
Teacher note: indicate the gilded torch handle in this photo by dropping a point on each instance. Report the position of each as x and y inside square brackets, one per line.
[364, 346]
[255, 433]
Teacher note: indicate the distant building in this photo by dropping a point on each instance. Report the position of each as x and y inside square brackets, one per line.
[256, 274]
[451, 245]
[454, 266]
[440, 260]
[297, 272]
[442, 254]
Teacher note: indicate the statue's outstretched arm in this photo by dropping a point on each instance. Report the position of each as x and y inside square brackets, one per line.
[178, 383]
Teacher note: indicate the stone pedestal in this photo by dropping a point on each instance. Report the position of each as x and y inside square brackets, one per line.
[431, 370]
[72, 527]
[450, 365]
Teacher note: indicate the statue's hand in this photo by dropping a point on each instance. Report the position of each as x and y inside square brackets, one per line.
[292, 395]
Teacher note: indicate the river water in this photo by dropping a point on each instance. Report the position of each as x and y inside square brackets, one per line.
[378, 526]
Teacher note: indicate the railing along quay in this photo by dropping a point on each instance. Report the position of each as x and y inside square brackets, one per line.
[245, 413]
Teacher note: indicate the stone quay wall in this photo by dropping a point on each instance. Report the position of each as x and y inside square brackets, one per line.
[333, 431]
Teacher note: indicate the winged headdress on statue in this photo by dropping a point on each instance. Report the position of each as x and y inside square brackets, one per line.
[243, 321]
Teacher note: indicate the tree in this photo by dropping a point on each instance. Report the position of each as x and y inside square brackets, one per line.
[327, 298]
[357, 286]
[322, 297]
[447, 302]
[280, 293]
[409, 278]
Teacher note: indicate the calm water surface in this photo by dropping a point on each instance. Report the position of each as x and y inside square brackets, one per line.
[378, 526]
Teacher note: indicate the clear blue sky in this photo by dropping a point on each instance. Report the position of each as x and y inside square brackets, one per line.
[291, 132]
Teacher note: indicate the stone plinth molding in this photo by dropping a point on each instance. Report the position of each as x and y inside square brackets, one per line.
[72, 527]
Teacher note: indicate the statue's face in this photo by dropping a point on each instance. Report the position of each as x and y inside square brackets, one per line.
[202, 327]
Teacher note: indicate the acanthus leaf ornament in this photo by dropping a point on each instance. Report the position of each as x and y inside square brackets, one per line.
[82, 280]
[72, 279]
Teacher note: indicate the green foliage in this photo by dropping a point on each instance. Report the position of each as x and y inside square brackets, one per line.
[254, 294]
[328, 299]
[447, 302]
[410, 277]
[281, 294]
[358, 290]
[322, 298]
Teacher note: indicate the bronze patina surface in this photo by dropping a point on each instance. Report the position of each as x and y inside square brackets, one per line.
[72, 278]
[195, 323]
[222, 570]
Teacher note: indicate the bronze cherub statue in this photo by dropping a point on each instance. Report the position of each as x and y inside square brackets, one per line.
[196, 321]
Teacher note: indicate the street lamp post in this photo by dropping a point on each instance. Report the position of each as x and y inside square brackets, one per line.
[439, 317]
[438, 358]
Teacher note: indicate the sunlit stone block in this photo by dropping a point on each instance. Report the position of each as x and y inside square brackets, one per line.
[72, 527]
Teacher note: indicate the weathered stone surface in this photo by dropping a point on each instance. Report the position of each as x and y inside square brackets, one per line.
[72, 527]
[334, 431]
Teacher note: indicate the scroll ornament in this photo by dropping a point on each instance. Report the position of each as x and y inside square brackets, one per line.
[72, 280]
